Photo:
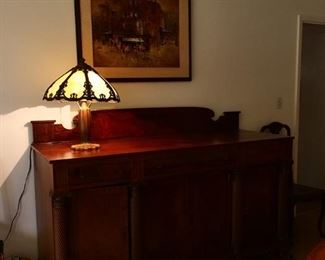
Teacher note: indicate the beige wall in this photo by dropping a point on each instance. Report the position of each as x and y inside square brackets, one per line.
[243, 59]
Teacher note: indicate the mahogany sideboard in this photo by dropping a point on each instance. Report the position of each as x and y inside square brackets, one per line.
[166, 184]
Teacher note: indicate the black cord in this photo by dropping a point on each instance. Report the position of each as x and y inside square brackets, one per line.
[1, 248]
[20, 197]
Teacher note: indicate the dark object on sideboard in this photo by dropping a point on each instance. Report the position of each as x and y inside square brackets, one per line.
[170, 184]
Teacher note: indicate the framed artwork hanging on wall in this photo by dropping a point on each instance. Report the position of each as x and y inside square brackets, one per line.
[135, 40]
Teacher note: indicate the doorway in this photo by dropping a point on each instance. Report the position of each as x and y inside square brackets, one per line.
[310, 123]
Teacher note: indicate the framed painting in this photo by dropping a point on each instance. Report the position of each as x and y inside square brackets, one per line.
[135, 40]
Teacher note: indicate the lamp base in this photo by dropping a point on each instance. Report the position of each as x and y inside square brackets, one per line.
[85, 147]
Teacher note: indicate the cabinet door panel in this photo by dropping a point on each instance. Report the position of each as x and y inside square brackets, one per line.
[258, 208]
[163, 219]
[186, 217]
[99, 224]
[210, 208]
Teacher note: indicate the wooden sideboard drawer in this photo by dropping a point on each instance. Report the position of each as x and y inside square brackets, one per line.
[99, 173]
[187, 162]
[264, 152]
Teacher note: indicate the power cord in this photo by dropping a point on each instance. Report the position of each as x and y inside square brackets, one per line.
[2, 242]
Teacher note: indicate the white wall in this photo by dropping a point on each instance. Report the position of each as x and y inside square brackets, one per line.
[243, 59]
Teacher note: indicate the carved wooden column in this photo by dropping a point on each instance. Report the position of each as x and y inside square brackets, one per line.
[134, 222]
[60, 228]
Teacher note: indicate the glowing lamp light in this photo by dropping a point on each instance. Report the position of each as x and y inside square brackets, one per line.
[84, 85]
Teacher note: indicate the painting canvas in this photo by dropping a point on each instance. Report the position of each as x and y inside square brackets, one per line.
[135, 39]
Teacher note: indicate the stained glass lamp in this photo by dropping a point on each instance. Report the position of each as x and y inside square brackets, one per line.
[84, 85]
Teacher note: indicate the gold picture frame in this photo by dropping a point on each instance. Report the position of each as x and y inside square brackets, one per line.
[135, 40]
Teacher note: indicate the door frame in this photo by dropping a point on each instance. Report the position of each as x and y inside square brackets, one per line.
[301, 19]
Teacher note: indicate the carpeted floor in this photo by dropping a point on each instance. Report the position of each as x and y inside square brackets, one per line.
[306, 235]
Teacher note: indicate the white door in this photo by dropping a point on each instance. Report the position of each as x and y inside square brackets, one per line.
[311, 126]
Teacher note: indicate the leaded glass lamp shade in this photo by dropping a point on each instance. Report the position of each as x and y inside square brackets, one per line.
[84, 85]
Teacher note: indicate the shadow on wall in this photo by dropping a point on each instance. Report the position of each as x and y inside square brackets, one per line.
[23, 238]
[16, 138]
[26, 244]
